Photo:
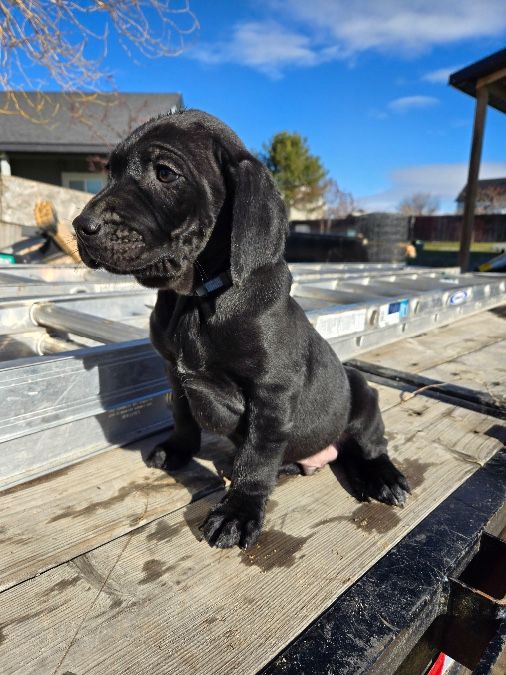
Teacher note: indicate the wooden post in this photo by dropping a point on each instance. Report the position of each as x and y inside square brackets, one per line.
[472, 178]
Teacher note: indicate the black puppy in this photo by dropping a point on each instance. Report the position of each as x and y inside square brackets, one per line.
[188, 210]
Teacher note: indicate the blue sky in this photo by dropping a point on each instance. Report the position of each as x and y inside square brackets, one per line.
[364, 81]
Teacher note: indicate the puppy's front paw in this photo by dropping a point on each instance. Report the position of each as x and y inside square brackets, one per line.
[235, 521]
[377, 478]
[173, 454]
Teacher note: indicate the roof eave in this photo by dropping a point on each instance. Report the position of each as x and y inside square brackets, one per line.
[465, 79]
[53, 148]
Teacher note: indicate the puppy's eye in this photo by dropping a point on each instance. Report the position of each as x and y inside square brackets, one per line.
[164, 174]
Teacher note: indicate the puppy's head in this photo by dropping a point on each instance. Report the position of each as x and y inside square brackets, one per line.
[169, 184]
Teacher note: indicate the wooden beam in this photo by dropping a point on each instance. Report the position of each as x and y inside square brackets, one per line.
[472, 178]
[493, 77]
[498, 89]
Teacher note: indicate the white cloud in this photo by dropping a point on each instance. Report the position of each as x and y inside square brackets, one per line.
[441, 75]
[400, 105]
[396, 25]
[265, 46]
[445, 181]
[302, 33]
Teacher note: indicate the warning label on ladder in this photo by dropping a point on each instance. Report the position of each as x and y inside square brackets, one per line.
[334, 325]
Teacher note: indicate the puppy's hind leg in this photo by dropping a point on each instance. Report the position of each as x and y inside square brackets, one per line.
[363, 448]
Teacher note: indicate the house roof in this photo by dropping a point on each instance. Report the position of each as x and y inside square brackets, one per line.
[467, 78]
[484, 186]
[75, 122]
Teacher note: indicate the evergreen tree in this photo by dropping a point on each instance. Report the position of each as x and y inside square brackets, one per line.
[300, 176]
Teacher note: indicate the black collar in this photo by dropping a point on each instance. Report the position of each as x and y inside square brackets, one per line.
[216, 284]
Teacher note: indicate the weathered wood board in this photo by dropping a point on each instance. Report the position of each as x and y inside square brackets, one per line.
[100, 499]
[483, 370]
[470, 353]
[56, 517]
[159, 600]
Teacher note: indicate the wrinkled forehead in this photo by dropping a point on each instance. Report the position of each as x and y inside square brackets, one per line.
[162, 141]
[182, 137]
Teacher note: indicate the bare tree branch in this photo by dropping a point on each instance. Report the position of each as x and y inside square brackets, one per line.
[419, 204]
[338, 204]
[490, 199]
[53, 40]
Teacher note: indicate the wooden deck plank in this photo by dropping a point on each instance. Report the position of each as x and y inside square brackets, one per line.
[159, 600]
[483, 370]
[430, 349]
[470, 353]
[59, 516]
[100, 499]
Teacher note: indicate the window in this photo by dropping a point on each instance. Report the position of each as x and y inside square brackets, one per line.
[86, 182]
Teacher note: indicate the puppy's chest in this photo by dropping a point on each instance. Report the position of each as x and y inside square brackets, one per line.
[198, 369]
[192, 361]
[215, 398]
[203, 363]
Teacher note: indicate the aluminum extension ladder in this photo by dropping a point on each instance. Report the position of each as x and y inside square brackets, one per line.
[71, 386]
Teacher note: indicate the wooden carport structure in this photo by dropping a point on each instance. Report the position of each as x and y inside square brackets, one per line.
[486, 81]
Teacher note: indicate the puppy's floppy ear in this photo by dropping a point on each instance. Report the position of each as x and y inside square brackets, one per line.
[259, 219]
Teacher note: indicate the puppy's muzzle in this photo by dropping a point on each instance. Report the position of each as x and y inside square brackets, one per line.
[108, 243]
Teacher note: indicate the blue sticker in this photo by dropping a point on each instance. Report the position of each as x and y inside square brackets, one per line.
[401, 307]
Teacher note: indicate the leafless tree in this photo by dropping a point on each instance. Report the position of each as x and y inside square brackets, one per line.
[491, 199]
[54, 40]
[419, 204]
[338, 204]
[101, 125]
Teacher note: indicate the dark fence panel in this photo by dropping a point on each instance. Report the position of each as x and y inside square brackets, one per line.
[308, 247]
[487, 228]
[381, 237]
[382, 234]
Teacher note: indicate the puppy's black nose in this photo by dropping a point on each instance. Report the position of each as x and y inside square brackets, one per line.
[86, 225]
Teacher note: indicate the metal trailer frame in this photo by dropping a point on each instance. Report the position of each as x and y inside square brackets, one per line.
[79, 375]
